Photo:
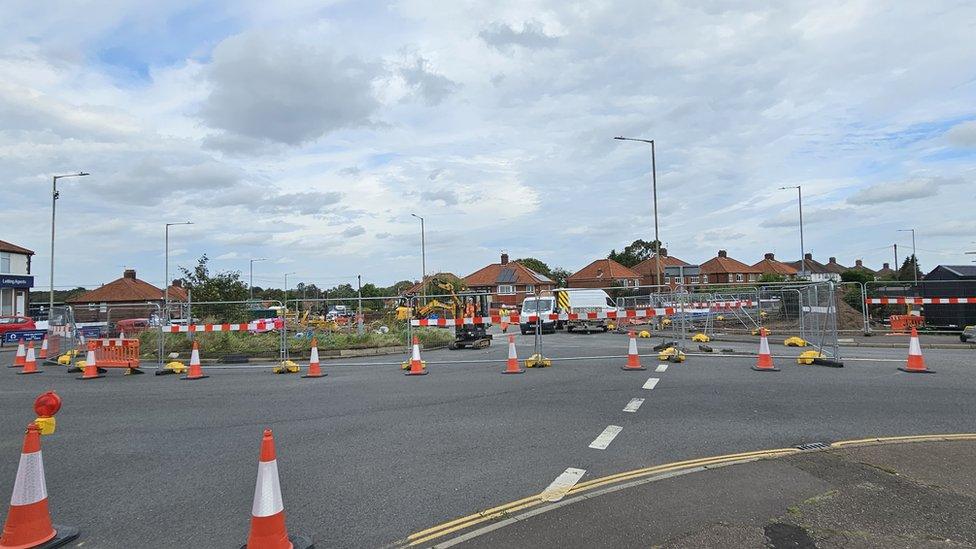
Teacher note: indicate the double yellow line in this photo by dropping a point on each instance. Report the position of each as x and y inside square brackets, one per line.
[504, 511]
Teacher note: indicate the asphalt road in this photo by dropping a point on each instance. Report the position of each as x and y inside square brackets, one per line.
[367, 455]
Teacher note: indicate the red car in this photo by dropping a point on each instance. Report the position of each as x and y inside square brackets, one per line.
[15, 324]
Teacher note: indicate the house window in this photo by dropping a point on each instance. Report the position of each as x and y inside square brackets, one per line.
[529, 289]
[506, 289]
[753, 277]
[667, 280]
[694, 280]
[4, 262]
[704, 279]
[738, 277]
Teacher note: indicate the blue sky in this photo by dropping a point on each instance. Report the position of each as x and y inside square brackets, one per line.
[308, 132]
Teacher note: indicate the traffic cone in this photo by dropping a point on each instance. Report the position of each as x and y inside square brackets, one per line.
[765, 361]
[21, 357]
[915, 364]
[633, 359]
[43, 352]
[28, 520]
[416, 365]
[268, 529]
[313, 362]
[195, 371]
[91, 368]
[30, 365]
[512, 367]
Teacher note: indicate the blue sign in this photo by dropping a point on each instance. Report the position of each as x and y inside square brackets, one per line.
[16, 281]
[26, 335]
[90, 332]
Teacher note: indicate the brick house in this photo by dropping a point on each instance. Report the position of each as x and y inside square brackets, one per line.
[508, 282]
[647, 267]
[859, 267]
[723, 269]
[886, 273]
[817, 271]
[769, 265]
[15, 279]
[126, 297]
[603, 273]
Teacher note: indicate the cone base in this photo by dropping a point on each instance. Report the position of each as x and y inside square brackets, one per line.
[188, 378]
[772, 369]
[297, 542]
[31, 372]
[633, 368]
[99, 376]
[315, 375]
[925, 371]
[62, 535]
[518, 371]
[420, 373]
[15, 366]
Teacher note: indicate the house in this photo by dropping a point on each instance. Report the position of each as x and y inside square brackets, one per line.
[949, 281]
[508, 282]
[647, 267]
[603, 273]
[722, 269]
[886, 273]
[834, 267]
[126, 297]
[770, 266]
[859, 266]
[15, 278]
[815, 270]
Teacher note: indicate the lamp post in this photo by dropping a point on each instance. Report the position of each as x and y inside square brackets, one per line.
[166, 269]
[657, 239]
[914, 257]
[250, 279]
[54, 205]
[423, 258]
[286, 289]
[803, 252]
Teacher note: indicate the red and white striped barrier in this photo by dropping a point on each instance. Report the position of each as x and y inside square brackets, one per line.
[919, 300]
[259, 326]
[516, 319]
[717, 304]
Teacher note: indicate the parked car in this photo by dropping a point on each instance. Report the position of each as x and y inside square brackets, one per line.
[968, 333]
[131, 326]
[15, 324]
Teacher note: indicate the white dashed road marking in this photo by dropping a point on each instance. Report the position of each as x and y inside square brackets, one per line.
[562, 484]
[661, 368]
[633, 405]
[606, 437]
[651, 382]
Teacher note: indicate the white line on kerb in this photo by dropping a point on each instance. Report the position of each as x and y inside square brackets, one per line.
[633, 405]
[661, 368]
[606, 437]
[563, 483]
[651, 382]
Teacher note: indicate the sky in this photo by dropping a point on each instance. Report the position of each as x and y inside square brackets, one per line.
[308, 132]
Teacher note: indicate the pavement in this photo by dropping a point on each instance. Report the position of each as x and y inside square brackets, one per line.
[368, 456]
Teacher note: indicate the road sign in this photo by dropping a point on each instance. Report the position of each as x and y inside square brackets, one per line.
[26, 335]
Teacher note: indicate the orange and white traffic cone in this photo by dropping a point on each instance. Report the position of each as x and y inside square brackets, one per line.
[42, 354]
[512, 366]
[30, 365]
[195, 371]
[916, 363]
[313, 362]
[764, 363]
[29, 521]
[268, 530]
[416, 365]
[633, 358]
[21, 357]
[91, 368]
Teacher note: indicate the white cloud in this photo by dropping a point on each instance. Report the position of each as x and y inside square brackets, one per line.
[963, 134]
[901, 191]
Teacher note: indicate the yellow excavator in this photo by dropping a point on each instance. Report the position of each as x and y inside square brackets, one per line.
[465, 304]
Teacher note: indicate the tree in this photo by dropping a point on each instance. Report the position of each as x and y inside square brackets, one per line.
[855, 275]
[536, 265]
[220, 286]
[772, 277]
[852, 292]
[559, 276]
[907, 267]
[637, 251]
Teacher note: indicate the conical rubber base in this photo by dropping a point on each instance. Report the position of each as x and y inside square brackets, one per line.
[420, 373]
[297, 542]
[519, 371]
[633, 368]
[316, 375]
[62, 535]
[758, 369]
[926, 371]
[188, 378]
[28, 373]
[99, 376]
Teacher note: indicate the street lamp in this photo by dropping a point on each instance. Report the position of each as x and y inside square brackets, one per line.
[54, 204]
[803, 252]
[657, 239]
[423, 258]
[286, 288]
[250, 280]
[914, 257]
[166, 279]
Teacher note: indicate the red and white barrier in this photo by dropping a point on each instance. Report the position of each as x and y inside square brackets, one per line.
[714, 305]
[258, 326]
[920, 300]
[516, 319]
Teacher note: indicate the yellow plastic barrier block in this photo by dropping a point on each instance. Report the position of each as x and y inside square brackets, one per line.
[700, 338]
[644, 334]
[806, 357]
[795, 341]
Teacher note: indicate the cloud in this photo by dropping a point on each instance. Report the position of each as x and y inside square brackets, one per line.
[446, 197]
[810, 217]
[152, 181]
[433, 88]
[270, 89]
[898, 192]
[963, 135]
[382, 236]
[531, 35]
[355, 230]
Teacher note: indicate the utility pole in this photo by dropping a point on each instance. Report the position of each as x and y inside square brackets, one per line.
[423, 259]
[657, 238]
[54, 205]
[914, 257]
[359, 314]
[803, 251]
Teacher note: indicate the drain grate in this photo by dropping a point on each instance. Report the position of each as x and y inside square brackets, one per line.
[813, 446]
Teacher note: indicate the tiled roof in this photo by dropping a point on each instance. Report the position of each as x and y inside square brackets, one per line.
[603, 269]
[835, 267]
[512, 272]
[724, 264]
[647, 267]
[961, 270]
[13, 248]
[811, 266]
[769, 265]
[128, 289]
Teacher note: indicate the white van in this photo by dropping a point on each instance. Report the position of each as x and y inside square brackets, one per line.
[542, 306]
[582, 301]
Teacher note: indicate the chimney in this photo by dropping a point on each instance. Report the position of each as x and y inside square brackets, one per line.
[808, 256]
[723, 253]
[858, 263]
[833, 260]
[129, 273]
[885, 266]
[663, 252]
[178, 283]
[769, 256]
[504, 259]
